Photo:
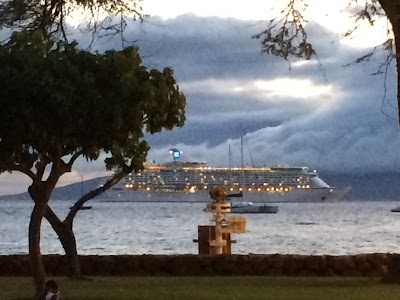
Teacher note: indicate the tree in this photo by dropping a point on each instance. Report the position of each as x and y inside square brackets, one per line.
[60, 103]
[285, 36]
[64, 229]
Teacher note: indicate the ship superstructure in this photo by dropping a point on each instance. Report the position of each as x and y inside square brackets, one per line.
[275, 184]
[196, 176]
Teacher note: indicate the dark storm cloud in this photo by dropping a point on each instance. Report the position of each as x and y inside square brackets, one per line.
[216, 63]
[337, 122]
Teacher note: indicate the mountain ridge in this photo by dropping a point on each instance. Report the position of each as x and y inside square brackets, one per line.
[71, 191]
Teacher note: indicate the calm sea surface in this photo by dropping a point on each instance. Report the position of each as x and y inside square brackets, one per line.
[169, 228]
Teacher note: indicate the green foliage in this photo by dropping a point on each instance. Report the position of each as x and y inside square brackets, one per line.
[50, 17]
[60, 101]
[215, 287]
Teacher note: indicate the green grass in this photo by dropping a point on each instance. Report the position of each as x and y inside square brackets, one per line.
[202, 288]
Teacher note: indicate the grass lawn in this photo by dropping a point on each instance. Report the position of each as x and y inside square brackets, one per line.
[202, 288]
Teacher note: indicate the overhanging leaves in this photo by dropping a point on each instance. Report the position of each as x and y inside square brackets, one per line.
[59, 101]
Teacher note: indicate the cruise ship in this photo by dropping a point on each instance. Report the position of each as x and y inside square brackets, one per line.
[257, 184]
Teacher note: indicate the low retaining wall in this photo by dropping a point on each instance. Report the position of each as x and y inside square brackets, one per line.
[366, 265]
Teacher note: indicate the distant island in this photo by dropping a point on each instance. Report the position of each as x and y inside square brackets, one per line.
[69, 192]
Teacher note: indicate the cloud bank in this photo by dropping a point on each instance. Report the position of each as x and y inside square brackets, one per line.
[316, 113]
[313, 113]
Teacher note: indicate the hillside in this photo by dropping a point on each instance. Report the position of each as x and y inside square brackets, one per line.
[68, 192]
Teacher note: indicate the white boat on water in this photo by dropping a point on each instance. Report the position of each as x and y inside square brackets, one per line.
[278, 184]
[192, 183]
[182, 181]
[247, 207]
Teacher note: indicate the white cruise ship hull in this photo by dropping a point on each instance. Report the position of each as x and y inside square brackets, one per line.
[318, 195]
[298, 195]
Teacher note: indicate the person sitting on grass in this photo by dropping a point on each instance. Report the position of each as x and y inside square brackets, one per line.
[51, 291]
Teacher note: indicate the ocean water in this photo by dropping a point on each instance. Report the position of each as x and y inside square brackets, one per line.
[113, 228]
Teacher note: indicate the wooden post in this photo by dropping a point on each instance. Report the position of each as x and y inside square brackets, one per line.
[206, 233]
[216, 239]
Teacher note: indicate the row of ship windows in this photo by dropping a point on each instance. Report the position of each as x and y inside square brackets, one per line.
[196, 175]
[223, 182]
[236, 178]
[307, 186]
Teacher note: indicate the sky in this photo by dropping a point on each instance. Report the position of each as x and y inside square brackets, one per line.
[314, 113]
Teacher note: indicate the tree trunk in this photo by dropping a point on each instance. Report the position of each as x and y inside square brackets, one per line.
[67, 238]
[39, 275]
[396, 32]
[392, 10]
[40, 192]
[397, 43]
[68, 241]
[64, 229]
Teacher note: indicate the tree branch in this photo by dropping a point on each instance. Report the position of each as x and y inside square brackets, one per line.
[287, 37]
[52, 218]
[92, 194]
[40, 168]
[74, 157]
[383, 67]
[25, 171]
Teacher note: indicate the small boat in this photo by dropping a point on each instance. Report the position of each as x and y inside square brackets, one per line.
[83, 207]
[247, 207]
[251, 208]
[396, 209]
